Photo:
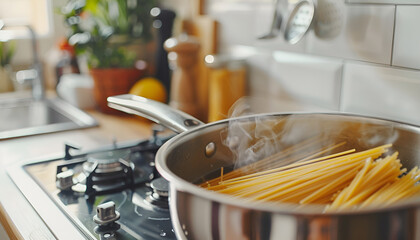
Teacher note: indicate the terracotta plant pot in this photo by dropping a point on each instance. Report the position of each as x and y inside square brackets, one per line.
[112, 81]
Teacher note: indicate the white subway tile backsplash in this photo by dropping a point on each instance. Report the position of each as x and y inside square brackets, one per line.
[259, 66]
[267, 94]
[316, 81]
[406, 51]
[399, 2]
[237, 22]
[381, 91]
[263, 18]
[357, 78]
[366, 34]
[245, 22]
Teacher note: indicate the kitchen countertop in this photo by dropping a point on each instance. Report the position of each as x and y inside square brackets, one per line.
[17, 216]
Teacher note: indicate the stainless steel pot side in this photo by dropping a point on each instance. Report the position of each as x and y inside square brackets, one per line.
[201, 214]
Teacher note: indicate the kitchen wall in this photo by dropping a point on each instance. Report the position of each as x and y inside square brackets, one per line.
[359, 56]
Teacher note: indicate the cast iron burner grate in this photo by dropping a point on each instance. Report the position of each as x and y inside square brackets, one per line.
[103, 178]
[108, 171]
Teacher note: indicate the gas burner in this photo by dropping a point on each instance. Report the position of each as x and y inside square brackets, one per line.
[159, 196]
[108, 162]
[106, 171]
[106, 177]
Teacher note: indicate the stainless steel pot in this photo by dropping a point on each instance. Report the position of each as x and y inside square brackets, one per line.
[201, 149]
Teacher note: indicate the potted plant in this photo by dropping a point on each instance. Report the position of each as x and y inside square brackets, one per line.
[6, 53]
[109, 34]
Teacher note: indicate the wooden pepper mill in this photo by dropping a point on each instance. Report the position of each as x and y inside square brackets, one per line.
[183, 92]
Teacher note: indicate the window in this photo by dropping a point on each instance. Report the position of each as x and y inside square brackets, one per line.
[18, 13]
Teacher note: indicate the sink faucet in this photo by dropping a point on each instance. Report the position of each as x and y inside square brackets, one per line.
[34, 75]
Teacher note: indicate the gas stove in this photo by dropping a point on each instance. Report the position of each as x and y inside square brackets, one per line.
[113, 192]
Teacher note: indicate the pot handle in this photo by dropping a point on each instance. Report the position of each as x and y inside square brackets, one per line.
[160, 113]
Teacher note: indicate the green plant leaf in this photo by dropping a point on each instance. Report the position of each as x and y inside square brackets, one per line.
[114, 25]
[1, 54]
[7, 51]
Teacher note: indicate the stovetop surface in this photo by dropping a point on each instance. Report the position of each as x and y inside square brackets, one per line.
[139, 219]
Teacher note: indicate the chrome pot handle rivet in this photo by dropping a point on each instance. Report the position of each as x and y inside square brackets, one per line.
[210, 149]
[191, 122]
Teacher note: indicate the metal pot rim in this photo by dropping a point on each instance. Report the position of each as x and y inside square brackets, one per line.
[282, 208]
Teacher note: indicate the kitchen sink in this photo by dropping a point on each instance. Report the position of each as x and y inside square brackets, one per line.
[25, 116]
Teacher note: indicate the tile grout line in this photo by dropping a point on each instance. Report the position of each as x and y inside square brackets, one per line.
[393, 35]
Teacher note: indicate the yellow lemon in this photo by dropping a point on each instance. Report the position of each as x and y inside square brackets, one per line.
[149, 88]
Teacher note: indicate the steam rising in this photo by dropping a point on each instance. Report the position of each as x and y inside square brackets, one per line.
[267, 134]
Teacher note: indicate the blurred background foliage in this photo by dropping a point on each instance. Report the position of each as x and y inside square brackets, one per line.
[7, 50]
[104, 29]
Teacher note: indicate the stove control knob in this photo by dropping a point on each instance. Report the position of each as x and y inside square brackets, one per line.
[106, 213]
[64, 180]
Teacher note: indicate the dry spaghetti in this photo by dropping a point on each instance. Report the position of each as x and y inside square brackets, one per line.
[343, 180]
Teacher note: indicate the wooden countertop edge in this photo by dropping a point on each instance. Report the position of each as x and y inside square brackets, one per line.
[8, 225]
